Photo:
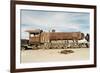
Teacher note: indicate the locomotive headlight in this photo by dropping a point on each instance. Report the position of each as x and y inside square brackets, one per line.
[32, 35]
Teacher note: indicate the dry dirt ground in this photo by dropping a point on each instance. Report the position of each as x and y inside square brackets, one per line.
[50, 55]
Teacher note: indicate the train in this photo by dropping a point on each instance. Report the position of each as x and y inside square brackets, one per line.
[49, 40]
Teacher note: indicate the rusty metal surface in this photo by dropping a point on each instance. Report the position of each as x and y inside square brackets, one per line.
[64, 36]
[49, 36]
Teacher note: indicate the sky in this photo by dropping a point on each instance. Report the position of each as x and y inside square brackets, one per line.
[61, 21]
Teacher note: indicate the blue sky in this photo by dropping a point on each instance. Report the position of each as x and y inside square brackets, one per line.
[58, 20]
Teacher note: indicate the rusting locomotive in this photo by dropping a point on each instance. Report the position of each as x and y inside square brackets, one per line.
[40, 39]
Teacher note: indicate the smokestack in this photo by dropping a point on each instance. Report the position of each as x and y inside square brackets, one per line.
[53, 30]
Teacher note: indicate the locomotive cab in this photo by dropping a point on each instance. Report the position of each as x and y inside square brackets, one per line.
[34, 36]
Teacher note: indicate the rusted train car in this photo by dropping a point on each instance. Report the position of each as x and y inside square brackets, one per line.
[40, 39]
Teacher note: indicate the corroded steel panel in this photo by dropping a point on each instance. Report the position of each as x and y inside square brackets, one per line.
[65, 36]
[49, 36]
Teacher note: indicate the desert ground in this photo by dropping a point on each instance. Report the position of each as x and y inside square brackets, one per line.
[50, 55]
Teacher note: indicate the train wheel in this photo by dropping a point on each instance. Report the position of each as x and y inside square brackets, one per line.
[87, 45]
[23, 48]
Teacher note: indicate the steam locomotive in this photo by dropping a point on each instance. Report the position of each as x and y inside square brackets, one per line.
[49, 40]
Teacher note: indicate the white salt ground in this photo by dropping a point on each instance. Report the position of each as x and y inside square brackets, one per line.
[50, 55]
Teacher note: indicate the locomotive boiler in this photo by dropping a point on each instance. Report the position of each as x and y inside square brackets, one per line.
[38, 36]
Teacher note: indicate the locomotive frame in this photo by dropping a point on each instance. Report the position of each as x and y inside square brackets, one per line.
[13, 61]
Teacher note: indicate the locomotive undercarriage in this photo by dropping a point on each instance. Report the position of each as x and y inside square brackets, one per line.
[58, 45]
[52, 45]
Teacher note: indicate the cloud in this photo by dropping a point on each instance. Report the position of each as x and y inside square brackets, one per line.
[60, 21]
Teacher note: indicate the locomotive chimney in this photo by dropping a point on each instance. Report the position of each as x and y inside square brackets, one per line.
[53, 30]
